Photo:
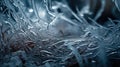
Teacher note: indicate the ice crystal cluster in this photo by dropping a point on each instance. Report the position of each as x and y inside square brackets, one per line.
[59, 33]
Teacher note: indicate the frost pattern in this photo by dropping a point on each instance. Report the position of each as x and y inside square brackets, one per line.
[49, 33]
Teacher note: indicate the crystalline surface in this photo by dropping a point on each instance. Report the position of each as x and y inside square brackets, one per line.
[59, 33]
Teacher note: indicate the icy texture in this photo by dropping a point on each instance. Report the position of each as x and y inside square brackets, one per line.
[50, 33]
[117, 4]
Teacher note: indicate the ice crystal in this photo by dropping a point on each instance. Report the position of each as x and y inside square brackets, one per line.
[59, 33]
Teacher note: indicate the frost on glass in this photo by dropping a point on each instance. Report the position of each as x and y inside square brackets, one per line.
[57, 33]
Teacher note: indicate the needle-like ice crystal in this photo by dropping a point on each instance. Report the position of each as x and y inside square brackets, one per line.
[59, 33]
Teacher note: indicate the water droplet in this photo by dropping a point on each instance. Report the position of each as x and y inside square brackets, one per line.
[30, 10]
